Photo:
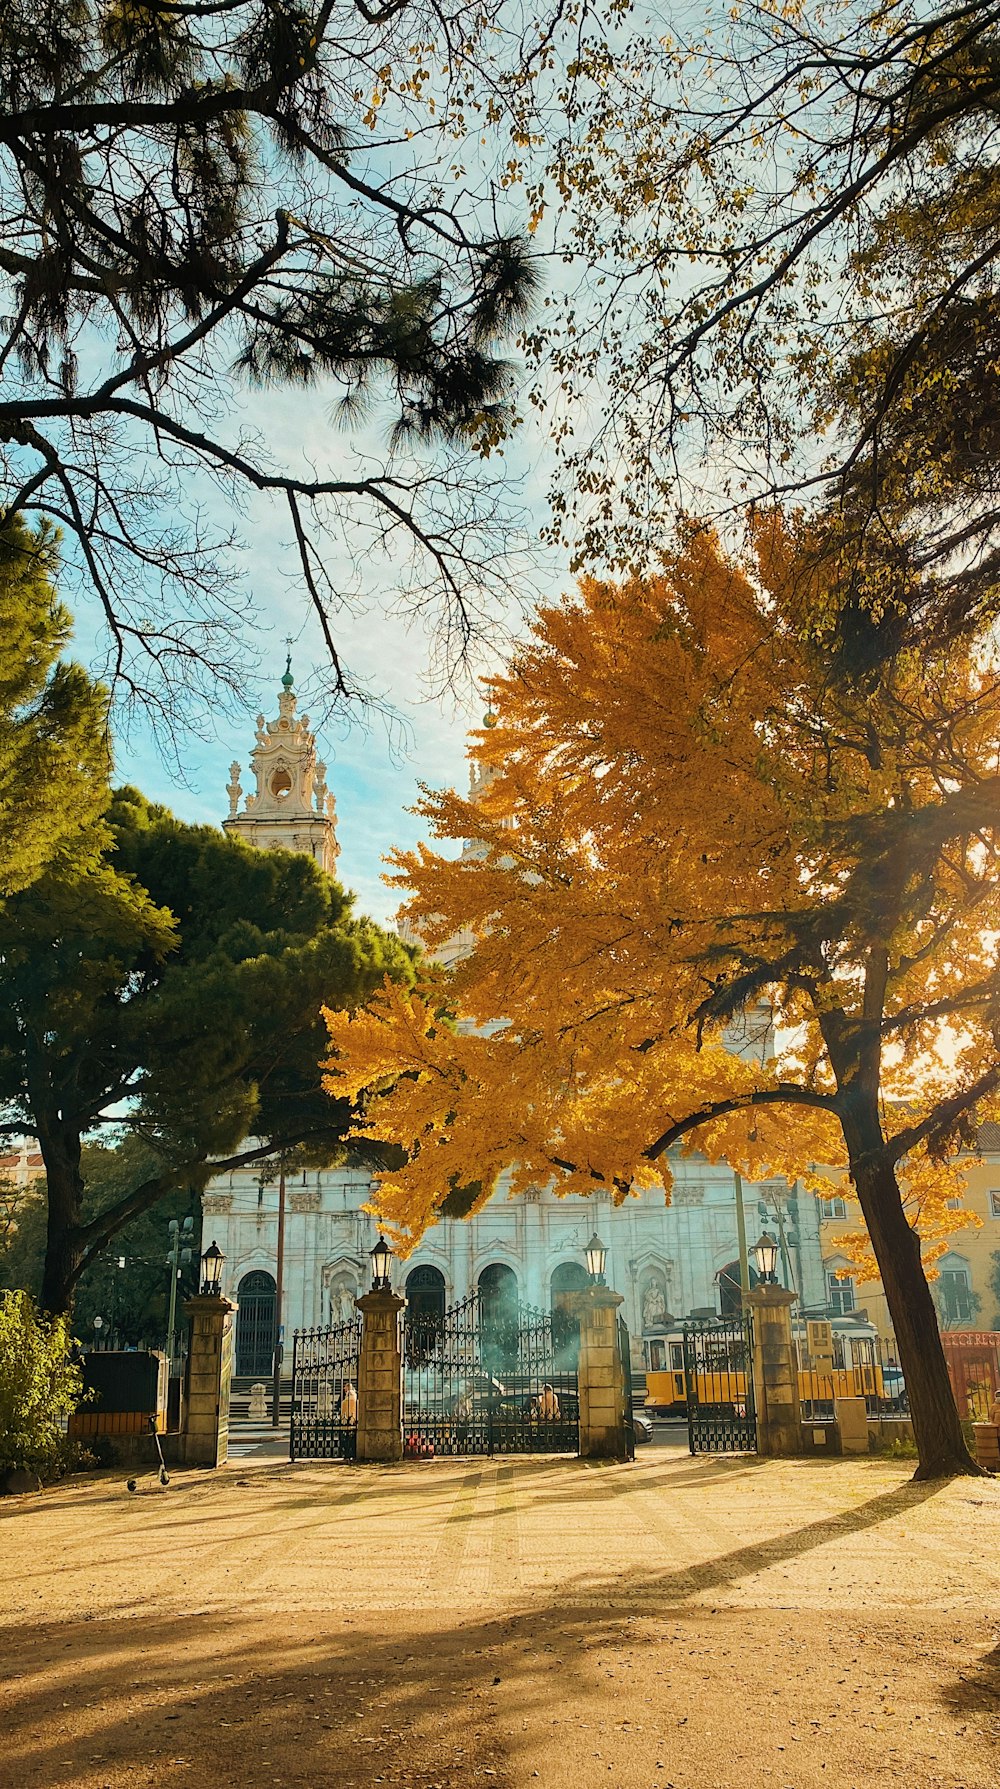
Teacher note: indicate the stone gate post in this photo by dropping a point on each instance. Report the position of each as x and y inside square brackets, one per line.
[209, 1373]
[380, 1378]
[775, 1370]
[601, 1378]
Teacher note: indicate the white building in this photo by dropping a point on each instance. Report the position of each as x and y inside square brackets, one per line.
[668, 1261]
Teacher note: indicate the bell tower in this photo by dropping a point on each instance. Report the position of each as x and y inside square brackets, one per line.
[291, 808]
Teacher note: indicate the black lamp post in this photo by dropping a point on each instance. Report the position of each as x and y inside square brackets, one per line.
[381, 1256]
[596, 1254]
[211, 1269]
[766, 1254]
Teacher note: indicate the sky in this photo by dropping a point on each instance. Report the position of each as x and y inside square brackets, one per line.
[373, 763]
[373, 767]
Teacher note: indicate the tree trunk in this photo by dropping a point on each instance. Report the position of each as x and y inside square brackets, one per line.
[64, 1246]
[936, 1426]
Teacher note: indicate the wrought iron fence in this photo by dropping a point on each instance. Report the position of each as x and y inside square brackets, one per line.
[324, 1419]
[856, 1366]
[718, 1378]
[478, 1379]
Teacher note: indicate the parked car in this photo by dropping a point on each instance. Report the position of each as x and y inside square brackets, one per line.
[642, 1428]
[893, 1386]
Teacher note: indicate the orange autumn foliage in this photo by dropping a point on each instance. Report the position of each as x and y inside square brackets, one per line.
[682, 818]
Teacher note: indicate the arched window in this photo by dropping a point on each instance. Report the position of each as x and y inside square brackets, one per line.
[498, 1293]
[498, 1309]
[255, 1296]
[425, 1293]
[569, 1276]
[731, 1288]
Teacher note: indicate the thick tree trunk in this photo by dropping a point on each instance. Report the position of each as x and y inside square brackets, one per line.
[936, 1426]
[64, 1247]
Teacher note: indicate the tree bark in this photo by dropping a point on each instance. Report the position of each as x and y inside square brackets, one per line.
[64, 1245]
[936, 1426]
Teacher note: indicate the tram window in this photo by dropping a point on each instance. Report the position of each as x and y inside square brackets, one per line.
[657, 1357]
[677, 1356]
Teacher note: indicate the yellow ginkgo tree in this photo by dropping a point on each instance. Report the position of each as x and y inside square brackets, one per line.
[682, 820]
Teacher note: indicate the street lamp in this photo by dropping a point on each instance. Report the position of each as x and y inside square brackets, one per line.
[596, 1254]
[380, 1257]
[211, 1269]
[766, 1254]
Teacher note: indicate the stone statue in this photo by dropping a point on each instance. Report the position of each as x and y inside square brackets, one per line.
[341, 1304]
[233, 787]
[654, 1305]
[319, 787]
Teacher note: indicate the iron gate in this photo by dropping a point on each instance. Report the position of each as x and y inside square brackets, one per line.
[255, 1298]
[488, 1379]
[718, 1382]
[325, 1392]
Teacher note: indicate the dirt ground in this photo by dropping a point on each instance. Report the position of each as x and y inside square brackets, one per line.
[676, 1624]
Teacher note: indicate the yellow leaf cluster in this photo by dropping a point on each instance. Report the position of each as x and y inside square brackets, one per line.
[680, 818]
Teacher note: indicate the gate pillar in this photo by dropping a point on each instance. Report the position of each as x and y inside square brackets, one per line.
[209, 1373]
[603, 1393]
[775, 1370]
[380, 1378]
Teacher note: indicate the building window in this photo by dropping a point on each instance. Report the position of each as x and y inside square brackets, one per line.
[955, 1301]
[954, 1204]
[833, 1208]
[840, 1294]
[995, 1205]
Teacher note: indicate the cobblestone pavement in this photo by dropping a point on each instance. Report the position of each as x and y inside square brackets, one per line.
[675, 1624]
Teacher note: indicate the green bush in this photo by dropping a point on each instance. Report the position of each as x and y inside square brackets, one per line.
[901, 1449]
[39, 1384]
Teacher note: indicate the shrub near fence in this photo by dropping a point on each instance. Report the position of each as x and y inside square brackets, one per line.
[39, 1385]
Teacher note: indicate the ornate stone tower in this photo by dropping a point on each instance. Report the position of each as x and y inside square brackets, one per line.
[291, 809]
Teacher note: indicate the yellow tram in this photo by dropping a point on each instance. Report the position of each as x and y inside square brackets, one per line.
[846, 1363]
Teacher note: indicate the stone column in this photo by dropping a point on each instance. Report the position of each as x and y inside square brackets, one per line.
[380, 1378]
[210, 1370]
[601, 1382]
[775, 1370]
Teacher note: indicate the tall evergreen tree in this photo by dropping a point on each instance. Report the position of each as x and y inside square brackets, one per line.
[54, 755]
[173, 990]
[198, 196]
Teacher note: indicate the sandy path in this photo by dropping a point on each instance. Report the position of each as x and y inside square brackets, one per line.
[679, 1624]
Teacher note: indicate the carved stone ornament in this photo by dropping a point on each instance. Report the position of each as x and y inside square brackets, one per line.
[216, 1205]
[688, 1195]
[307, 1199]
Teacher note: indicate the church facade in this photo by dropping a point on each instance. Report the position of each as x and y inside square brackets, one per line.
[667, 1261]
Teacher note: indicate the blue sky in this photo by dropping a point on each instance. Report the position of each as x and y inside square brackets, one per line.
[373, 764]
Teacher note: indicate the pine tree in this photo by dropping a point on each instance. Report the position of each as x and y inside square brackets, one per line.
[203, 198]
[54, 756]
[172, 989]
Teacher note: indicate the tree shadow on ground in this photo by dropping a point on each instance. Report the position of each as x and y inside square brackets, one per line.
[356, 1698]
[977, 1691]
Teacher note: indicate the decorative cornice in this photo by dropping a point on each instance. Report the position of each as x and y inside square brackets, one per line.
[216, 1205]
